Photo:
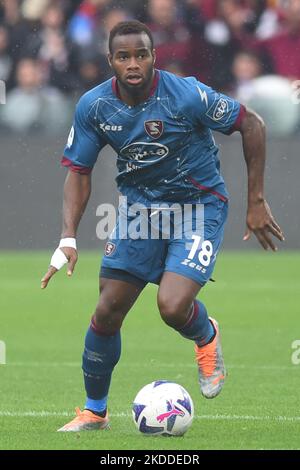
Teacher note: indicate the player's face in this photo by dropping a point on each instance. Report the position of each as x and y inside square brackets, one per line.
[132, 61]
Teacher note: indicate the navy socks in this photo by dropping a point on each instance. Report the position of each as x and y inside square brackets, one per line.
[101, 354]
[198, 327]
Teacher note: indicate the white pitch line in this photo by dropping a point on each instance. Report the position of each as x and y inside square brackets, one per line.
[218, 417]
[34, 414]
[249, 418]
[43, 364]
[154, 364]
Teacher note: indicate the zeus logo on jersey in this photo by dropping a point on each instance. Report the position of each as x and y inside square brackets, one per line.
[107, 127]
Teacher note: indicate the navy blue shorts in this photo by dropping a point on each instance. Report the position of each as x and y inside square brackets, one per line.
[184, 241]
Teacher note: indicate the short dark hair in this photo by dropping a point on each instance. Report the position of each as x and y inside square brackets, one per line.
[129, 27]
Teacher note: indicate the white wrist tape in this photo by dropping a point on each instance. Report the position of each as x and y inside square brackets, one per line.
[59, 259]
[67, 242]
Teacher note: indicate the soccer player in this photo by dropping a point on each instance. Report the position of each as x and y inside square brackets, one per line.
[160, 126]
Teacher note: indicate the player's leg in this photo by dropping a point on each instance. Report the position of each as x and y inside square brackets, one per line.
[182, 311]
[103, 348]
[189, 264]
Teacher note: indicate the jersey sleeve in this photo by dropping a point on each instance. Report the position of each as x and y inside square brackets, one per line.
[84, 142]
[216, 110]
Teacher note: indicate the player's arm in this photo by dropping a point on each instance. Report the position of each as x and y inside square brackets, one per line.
[80, 155]
[224, 114]
[77, 190]
[259, 220]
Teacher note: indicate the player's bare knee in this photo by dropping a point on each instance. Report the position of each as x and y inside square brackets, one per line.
[108, 317]
[173, 311]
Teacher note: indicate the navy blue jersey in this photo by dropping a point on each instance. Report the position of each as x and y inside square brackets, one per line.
[165, 147]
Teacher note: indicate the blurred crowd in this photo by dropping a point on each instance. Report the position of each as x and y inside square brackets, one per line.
[52, 51]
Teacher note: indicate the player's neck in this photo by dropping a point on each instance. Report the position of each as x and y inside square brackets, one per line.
[136, 97]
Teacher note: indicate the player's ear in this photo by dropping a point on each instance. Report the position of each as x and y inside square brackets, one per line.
[109, 58]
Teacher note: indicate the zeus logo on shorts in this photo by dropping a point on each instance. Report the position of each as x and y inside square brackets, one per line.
[204, 255]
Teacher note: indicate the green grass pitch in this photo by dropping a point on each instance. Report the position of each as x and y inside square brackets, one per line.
[256, 299]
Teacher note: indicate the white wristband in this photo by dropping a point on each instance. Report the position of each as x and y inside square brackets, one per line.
[67, 242]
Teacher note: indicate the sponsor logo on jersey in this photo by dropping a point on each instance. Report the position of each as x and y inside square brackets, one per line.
[154, 128]
[221, 109]
[140, 154]
[109, 248]
[110, 127]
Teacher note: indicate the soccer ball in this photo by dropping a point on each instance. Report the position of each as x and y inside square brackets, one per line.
[164, 408]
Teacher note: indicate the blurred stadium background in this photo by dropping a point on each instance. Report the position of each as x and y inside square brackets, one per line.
[53, 51]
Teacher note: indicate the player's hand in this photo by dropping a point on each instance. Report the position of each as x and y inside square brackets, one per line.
[261, 222]
[62, 255]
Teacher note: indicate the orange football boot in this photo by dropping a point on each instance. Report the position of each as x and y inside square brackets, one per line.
[211, 365]
[85, 421]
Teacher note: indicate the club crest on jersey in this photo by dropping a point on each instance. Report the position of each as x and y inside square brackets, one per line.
[154, 128]
[109, 248]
